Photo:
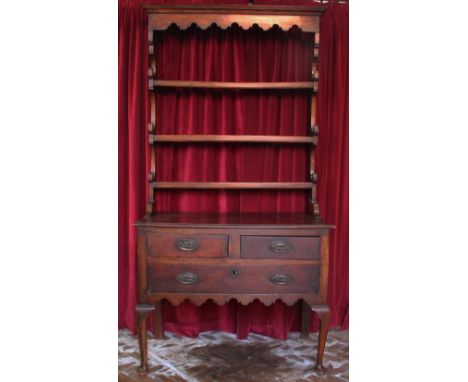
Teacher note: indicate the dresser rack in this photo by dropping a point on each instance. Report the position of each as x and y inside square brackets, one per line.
[223, 256]
[285, 17]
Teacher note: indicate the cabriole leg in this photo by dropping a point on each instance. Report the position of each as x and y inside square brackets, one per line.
[305, 327]
[323, 312]
[157, 321]
[142, 312]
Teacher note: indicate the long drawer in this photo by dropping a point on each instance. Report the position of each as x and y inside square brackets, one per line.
[221, 277]
[276, 247]
[172, 245]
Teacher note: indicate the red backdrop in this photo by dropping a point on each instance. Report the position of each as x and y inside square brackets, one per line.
[233, 55]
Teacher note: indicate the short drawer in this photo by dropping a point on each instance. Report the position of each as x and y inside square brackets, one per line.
[251, 278]
[276, 247]
[171, 245]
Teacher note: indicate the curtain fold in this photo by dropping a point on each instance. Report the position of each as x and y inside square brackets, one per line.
[230, 55]
[132, 101]
[332, 152]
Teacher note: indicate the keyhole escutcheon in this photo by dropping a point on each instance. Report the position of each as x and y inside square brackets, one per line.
[234, 272]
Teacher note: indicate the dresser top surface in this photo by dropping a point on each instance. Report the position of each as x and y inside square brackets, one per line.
[284, 219]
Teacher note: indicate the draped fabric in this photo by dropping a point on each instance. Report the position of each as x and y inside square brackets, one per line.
[231, 55]
[332, 152]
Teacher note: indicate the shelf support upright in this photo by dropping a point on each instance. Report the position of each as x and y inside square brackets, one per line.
[152, 123]
[314, 128]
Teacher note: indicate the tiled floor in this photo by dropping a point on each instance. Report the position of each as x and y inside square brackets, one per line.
[217, 356]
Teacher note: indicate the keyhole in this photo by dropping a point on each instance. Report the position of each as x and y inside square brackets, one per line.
[234, 272]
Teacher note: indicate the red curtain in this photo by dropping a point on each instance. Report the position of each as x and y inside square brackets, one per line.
[230, 55]
[332, 152]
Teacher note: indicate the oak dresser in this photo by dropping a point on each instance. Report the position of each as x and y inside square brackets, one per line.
[242, 256]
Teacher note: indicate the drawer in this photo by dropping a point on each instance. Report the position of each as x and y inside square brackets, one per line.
[171, 245]
[220, 277]
[277, 247]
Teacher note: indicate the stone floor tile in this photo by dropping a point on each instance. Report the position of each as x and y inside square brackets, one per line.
[221, 357]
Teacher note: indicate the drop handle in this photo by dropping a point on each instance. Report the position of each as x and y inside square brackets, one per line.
[187, 278]
[187, 244]
[280, 279]
[280, 246]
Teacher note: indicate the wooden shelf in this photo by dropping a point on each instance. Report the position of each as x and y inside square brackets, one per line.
[213, 219]
[153, 138]
[269, 10]
[234, 185]
[305, 85]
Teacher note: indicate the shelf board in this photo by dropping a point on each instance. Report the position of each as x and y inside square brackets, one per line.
[214, 219]
[234, 185]
[236, 9]
[154, 138]
[303, 85]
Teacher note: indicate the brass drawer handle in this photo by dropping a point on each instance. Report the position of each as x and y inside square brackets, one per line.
[280, 246]
[187, 244]
[280, 279]
[187, 278]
